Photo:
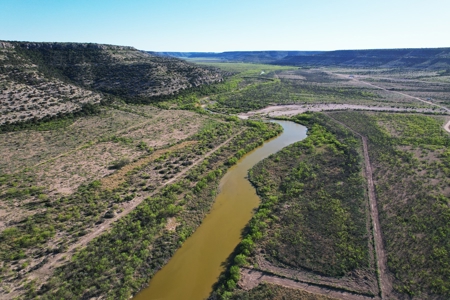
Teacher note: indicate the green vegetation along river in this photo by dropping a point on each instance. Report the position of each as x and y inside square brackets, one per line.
[196, 266]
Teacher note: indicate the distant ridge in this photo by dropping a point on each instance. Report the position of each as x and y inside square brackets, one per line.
[238, 56]
[427, 58]
[416, 58]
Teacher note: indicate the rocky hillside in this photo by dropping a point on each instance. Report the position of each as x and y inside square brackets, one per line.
[47, 79]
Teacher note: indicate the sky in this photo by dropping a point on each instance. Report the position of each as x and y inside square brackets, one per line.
[231, 25]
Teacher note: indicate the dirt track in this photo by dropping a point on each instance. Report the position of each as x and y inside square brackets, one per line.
[447, 126]
[361, 282]
[250, 278]
[395, 92]
[45, 271]
[384, 280]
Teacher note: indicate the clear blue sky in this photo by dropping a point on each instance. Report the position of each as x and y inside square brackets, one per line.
[219, 25]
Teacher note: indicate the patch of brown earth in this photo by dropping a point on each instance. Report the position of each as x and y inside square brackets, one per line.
[294, 109]
[172, 224]
[68, 172]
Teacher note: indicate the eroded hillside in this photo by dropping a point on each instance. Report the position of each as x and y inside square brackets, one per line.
[39, 80]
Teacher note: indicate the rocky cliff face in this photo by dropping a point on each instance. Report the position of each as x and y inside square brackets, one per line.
[44, 79]
[5, 45]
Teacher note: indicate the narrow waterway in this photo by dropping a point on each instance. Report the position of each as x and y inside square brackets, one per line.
[196, 266]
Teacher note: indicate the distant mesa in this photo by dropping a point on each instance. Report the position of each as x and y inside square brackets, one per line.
[237, 56]
[427, 58]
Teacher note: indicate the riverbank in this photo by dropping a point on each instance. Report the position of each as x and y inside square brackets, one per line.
[196, 266]
[295, 109]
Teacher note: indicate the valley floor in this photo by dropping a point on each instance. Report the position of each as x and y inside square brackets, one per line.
[94, 206]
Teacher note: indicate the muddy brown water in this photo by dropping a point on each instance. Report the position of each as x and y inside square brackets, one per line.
[196, 266]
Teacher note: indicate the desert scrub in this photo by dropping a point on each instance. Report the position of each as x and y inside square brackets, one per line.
[312, 214]
[121, 262]
[320, 206]
[411, 179]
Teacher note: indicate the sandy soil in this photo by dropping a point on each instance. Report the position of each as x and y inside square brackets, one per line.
[447, 126]
[113, 181]
[172, 224]
[294, 109]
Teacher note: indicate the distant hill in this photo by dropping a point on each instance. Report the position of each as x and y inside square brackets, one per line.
[237, 56]
[46, 79]
[432, 58]
[428, 58]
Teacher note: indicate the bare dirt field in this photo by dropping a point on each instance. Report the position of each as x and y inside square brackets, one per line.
[291, 110]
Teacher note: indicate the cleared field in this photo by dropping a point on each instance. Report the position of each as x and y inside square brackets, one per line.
[431, 86]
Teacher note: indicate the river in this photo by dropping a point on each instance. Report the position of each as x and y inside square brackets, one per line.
[196, 266]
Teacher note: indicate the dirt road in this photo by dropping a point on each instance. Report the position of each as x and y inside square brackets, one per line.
[386, 90]
[447, 126]
[294, 109]
[250, 278]
[384, 280]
